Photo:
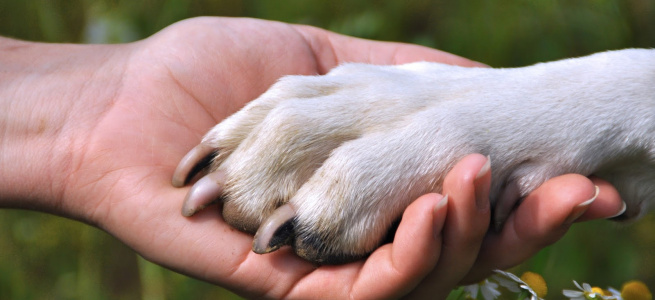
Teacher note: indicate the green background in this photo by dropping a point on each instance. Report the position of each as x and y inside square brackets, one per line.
[47, 257]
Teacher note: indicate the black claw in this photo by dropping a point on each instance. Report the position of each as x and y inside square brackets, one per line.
[192, 163]
[203, 193]
[283, 236]
[276, 231]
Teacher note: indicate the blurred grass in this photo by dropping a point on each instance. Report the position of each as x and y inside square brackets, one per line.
[47, 257]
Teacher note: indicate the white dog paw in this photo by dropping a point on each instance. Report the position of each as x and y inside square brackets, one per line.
[325, 145]
[328, 163]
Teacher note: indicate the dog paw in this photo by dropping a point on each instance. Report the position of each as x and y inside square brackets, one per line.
[328, 163]
[331, 150]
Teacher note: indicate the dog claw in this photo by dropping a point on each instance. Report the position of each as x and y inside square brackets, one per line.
[190, 164]
[204, 192]
[276, 231]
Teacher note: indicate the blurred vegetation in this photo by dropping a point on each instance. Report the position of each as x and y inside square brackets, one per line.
[47, 257]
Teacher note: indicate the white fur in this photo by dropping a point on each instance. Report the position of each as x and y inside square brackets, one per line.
[350, 150]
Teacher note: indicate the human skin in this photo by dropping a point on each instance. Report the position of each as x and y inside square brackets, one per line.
[94, 132]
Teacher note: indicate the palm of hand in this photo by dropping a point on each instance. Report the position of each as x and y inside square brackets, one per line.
[177, 84]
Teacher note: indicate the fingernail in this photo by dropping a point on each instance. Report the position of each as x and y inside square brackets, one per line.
[623, 209]
[438, 222]
[443, 202]
[482, 187]
[581, 208]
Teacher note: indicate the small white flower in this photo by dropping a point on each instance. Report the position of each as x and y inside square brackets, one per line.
[514, 283]
[511, 284]
[488, 289]
[616, 294]
[587, 292]
[584, 290]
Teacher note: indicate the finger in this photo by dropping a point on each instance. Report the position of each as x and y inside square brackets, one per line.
[413, 254]
[467, 186]
[332, 49]
[542, 218]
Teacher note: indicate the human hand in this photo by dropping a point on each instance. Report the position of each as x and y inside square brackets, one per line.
[107, 140]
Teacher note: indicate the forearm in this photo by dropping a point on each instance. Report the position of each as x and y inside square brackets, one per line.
[43, 88]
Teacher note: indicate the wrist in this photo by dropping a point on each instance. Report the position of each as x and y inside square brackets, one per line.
[45, 90]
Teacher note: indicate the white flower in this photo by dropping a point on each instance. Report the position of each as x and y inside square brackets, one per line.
[515, 284]
[587, 292]
[488, 289]
[614, 294]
